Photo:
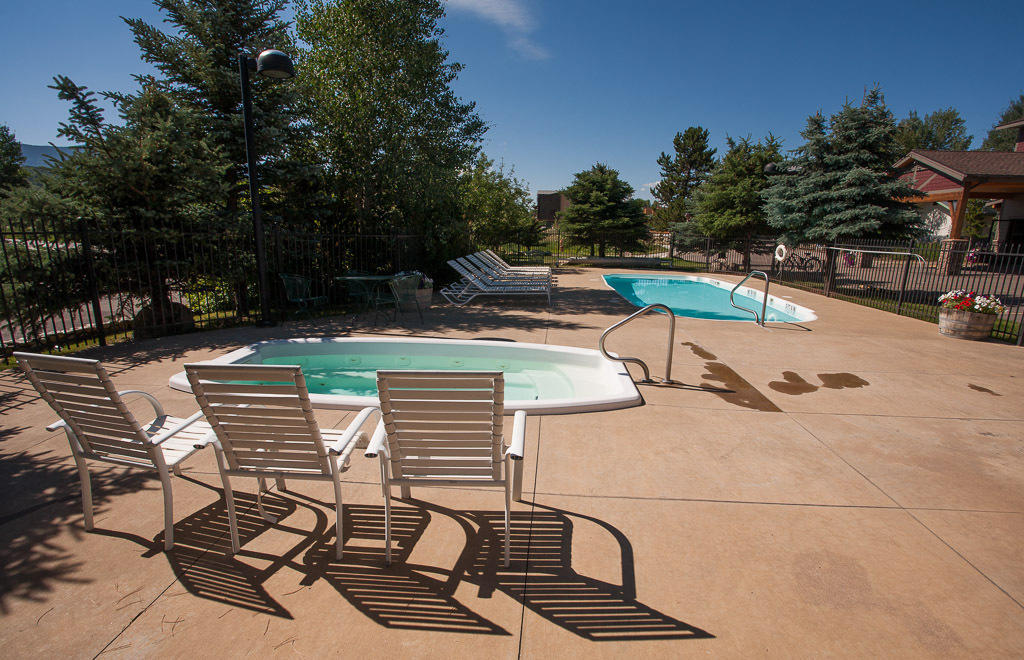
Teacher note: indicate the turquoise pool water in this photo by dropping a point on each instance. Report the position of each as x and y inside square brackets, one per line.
[356, 374]
[701, 298]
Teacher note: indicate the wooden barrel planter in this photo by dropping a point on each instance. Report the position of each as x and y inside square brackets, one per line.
[966, 325]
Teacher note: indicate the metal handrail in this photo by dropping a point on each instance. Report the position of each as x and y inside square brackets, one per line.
[764, 304]
[643, 365]
[907, 254]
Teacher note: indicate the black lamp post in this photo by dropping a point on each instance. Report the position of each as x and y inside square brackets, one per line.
[272, 64]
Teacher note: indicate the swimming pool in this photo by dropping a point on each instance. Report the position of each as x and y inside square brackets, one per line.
[543, 379]
[703, 298]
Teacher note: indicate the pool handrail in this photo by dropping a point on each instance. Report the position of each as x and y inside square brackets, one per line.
[764, 303]
[643, 365]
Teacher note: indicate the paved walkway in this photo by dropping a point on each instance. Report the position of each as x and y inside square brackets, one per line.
[852, 487]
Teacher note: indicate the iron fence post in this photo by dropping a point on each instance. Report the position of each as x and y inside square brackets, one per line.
[707, 254]
[903, 280]
[90, 277]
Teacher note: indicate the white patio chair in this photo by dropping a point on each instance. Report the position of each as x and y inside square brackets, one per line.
[100, 427]
[263, 427]
[501, 264]
[444, 428]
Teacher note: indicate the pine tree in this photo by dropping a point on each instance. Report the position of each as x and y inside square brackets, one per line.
[681, 175]
[1005, 140]
[841, 185]
[729, 205]
[943, 130]
[142, 187]
[11, 172]
[198, 64]
[602, 213]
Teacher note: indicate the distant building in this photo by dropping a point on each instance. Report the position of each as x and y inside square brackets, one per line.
[550, 202]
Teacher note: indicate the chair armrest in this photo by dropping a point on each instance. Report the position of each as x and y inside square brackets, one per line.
[515, 450]
[59, 424]
[349, 436]
[160, 437]
[378, 443]
[209, 439]
[149, 397]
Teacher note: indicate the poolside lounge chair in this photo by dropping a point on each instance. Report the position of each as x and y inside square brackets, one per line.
[444, 428]
[100, 427]
[501, 264]
[491, 279]
[475, 283]
[264, 427]
[497, 274]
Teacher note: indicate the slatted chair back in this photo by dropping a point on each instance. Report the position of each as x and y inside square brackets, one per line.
[443, 426]
[81, 392]
[296, 287]
[262, 417]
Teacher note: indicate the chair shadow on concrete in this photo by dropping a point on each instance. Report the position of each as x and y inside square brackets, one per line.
[202, 559]
[402, 595]
[542, 578]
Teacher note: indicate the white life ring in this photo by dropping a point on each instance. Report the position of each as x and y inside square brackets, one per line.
[780, 253]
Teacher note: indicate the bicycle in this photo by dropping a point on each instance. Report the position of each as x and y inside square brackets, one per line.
[808, 262]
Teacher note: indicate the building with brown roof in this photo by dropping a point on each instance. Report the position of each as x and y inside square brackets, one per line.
[947, 179]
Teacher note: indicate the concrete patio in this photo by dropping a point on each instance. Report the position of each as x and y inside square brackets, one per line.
[850, 487]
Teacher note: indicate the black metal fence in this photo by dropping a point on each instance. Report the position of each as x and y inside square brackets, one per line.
[66, 284]
[905, 278]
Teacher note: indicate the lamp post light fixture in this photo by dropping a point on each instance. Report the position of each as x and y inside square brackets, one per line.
[270, 64]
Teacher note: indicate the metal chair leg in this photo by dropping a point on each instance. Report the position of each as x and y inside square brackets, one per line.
[83, 476]
[165, 480]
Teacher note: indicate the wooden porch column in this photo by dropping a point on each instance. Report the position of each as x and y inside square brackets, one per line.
[959, 207]
[953, 249]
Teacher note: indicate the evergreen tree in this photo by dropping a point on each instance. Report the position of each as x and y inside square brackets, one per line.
[943, 130]
[497, 206]
[729, 205]
[391, 134]
[681, 175]
[602, 213]
[142, 186]
[198, 64]
[11, 172]
[840, 185]
[1005, 140]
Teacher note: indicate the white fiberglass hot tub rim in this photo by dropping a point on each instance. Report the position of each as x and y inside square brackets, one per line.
[803, 314]
[621, 391]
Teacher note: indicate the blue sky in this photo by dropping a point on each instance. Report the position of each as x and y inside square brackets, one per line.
[567, 83]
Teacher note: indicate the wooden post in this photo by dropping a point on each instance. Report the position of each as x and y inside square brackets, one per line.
[958, 209]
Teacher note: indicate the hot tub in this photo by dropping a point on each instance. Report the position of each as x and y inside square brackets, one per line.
[541, 379]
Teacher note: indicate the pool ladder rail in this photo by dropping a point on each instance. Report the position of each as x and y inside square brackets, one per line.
[759, 319]
[643, 365]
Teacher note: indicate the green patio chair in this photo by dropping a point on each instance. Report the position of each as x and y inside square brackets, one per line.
[297, 290]
[403, 288]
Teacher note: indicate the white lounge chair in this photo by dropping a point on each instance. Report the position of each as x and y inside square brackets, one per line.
[100, 427]
[501, 264]
[444, 428]
[476, 283]
[500, 275]
[264, 427]
[495, 280]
